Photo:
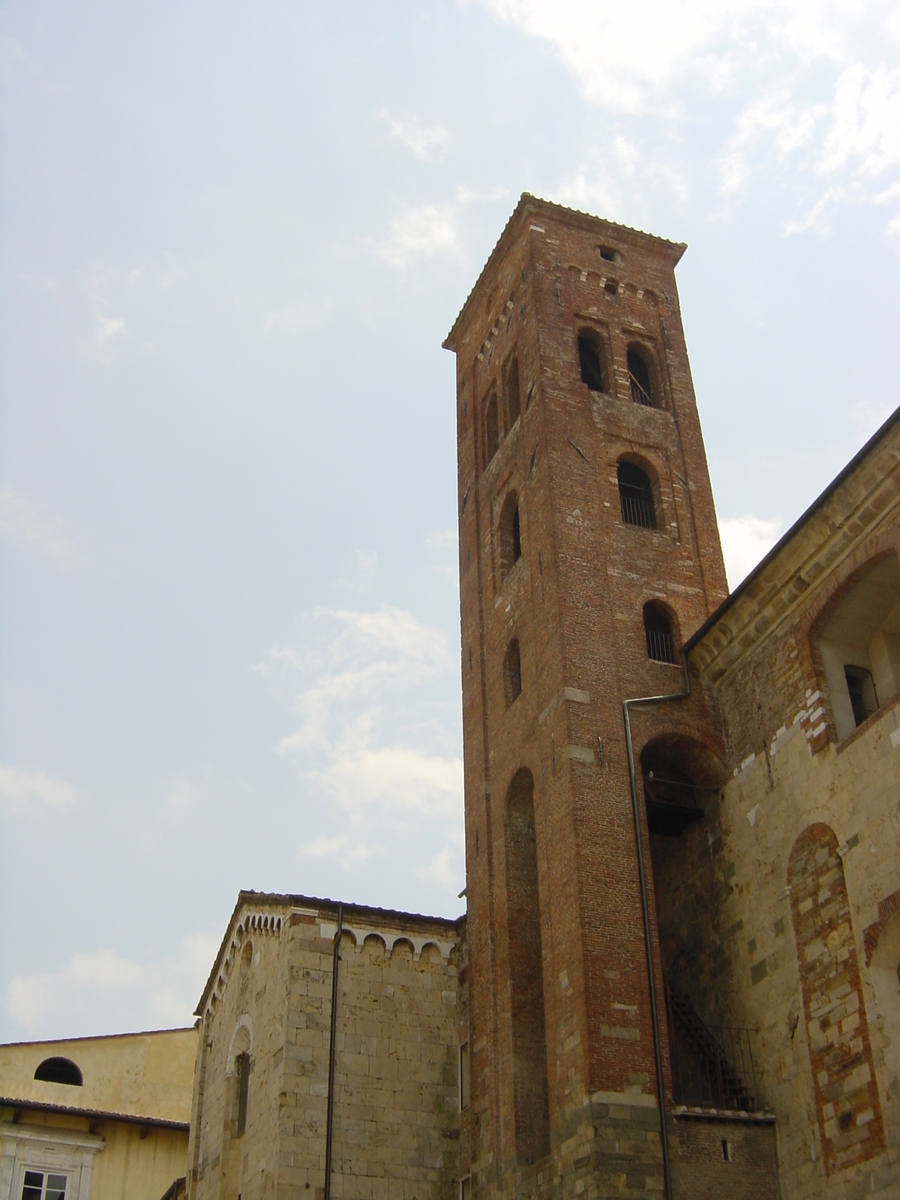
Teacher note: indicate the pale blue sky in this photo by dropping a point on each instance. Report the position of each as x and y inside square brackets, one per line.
[233, 238]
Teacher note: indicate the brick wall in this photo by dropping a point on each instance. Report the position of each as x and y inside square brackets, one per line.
[574, 601]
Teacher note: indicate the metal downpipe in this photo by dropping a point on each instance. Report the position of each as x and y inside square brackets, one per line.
[645, 913]
[329, 1119]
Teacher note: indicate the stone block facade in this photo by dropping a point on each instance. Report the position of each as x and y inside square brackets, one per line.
[267, 1010]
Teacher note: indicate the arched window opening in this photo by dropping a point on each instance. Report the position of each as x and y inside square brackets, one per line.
[589, 360]
[242, 1088]
[859, 646]
[884, 973]
[509, 537]
[512, 673]
[491, 429]
[60, 1070]
[530, 1091]
[658, 631]
[513, 403]
[636, 496]
[680, 777]
[639, 376]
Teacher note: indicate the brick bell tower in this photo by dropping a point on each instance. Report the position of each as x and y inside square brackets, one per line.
[589, 552]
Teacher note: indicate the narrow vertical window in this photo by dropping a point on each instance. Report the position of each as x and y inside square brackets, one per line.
[509, 535]
[242, 1070]
[513, 402]
[639, 376]
[464, 1076]
[512, 673]
[658, 632]
[529, 1043]
[491, 429]
[589, 361]
[636, 496]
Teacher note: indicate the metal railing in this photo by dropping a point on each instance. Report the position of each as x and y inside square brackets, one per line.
[712, 1066]
[639, 393]
[637, 506]
[660, 646]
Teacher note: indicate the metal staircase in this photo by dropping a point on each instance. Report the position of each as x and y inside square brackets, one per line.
[712, 1067]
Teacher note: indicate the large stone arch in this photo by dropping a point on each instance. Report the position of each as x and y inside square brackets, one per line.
[848, 1108]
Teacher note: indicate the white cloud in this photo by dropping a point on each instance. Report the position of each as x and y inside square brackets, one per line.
[369, 744]
[427, 142]
[22, 521]
[420, 233]
[340, 849]
[109, 327]
[440, 870]
[746, 540]
[865, 124]
[443, 539]
[165, 819]
[793, 73]
[429, 229]
[289, 319]
[33, 793]
[101, 990]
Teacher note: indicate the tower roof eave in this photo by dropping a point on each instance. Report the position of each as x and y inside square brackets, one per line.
[535, 205]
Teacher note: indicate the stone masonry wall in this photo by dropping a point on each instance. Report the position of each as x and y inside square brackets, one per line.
[396, 1129]
[754, 958]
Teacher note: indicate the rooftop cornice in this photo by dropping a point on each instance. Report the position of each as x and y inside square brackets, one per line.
[533, 206]
[849, 510]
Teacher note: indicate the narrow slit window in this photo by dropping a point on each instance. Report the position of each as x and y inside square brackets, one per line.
[589, 361]
[512, 673]
[639, 377]
[242, 1070]
[509, 535]
[464, 1076]
[491, 429]
[513, 403]
[636, 496]
[658, 632]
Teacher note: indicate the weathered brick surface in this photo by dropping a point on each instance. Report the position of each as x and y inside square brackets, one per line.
[574, 601]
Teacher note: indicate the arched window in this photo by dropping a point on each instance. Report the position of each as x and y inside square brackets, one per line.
[512, 673]
[526, 962]
[636, 496]
[60, 1070]
[513, 403]
[509, 538]
[590, 361]
[639, 376]
[658, 631]
[491, 429]
[859, 646]
[242, 1073]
